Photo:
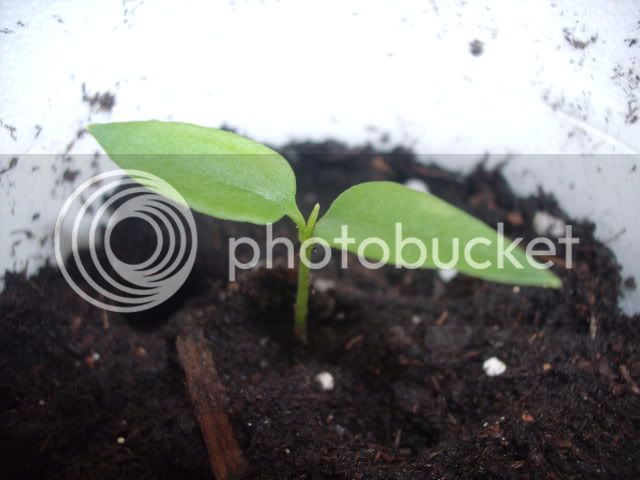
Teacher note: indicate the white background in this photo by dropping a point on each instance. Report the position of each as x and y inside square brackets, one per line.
[341, 69]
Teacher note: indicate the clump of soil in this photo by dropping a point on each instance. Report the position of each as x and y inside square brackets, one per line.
[101, 101]
[476, 47]
[91, 394]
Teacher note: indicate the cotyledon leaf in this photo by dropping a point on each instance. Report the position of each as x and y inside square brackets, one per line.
[217, 172]
[373, 209]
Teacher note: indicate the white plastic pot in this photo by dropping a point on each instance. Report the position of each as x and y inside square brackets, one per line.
[506, 78]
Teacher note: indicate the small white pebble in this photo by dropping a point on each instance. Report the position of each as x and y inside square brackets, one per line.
[287, 451]
[417, 185]
[120, 440]
[494, 366]
[447, 274]
[323, 285]
[546, 224]
[516, 289]
[325, 380]
[96, 356]
[41, 403]
[416, 320]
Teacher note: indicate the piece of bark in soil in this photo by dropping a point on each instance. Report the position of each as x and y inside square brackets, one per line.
[208, 397]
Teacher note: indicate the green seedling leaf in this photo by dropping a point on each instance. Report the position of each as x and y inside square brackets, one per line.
[373, 209]
[217, 172]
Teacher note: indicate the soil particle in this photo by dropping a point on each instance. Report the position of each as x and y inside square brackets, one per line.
[410, 401]
[11, 129]
[577, 43]
[476, 48]
[102, 101]
[70, 175]
[13, 162]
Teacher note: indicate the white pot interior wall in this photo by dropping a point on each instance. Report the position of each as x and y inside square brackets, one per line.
[508, 78]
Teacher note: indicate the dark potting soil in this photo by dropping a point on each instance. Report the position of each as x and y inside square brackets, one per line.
[89, 394]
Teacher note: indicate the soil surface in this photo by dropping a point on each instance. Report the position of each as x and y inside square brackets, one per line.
[90, 394]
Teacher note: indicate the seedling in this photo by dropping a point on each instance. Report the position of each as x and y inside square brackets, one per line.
[233, 178]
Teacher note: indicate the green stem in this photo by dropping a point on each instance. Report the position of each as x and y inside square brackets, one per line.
[302, 295]
[302, 303]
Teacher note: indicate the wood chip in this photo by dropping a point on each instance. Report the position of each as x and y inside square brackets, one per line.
[558, 262]
[379, 164]
[627, 376]
[397, 439]
[105, 320]
[385, 457]
[208, 399]
[593, 326]
[353, 342]
[515, 218]
[442, 318]
[141, 352]
[76, 322]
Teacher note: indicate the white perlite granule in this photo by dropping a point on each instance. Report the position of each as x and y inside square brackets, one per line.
[494, 366]
[546, 224]
[447, 274]
[325, 380]
[417, 185]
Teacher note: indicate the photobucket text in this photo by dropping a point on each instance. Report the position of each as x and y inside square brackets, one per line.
[407, 251]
